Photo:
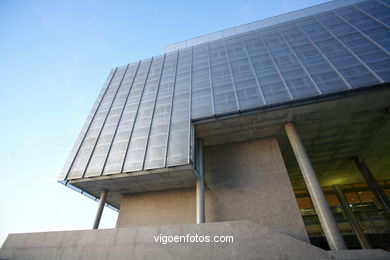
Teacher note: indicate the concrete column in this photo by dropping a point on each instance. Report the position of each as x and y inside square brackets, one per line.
[200, 211]
[372, 183]
[102, 201]
[327, 221]
[351, 218]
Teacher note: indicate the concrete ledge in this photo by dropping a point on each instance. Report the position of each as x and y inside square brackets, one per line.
[251, 241]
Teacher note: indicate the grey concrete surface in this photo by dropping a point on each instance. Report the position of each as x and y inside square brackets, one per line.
[250, 241]
[244, 180]
[248, 180]
[137, 182]
[158, 208]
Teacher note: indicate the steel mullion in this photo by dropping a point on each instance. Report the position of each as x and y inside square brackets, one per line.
[363, 34]
[120, 118]
[190, 109]
[231, 75]
[170, 115]
[154, 108]
[350, 51]
[326, 58]
[136, 116]
[253, 71]
[90, 123]
[277, 68]
[382, 3]
[369, 15]
[300, 63]
[211, 81]
[104, 122]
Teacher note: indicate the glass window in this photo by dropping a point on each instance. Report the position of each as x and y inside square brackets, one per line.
[137, 146]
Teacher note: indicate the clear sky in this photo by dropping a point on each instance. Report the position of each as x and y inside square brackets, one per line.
[54, 58]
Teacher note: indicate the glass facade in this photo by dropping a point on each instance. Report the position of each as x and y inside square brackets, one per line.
[142, 118]
[367, 210]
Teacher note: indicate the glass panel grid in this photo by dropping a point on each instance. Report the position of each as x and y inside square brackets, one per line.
[145, 121]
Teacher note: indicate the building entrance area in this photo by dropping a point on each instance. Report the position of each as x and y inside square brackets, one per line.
[366, 208]
[347, 142]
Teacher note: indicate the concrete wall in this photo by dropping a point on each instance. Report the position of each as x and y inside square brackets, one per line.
[245, 181]
[247, 240]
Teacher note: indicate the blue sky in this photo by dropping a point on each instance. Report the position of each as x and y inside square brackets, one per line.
[54, 58]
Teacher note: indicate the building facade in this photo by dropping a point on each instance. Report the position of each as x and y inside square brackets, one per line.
[282, 122]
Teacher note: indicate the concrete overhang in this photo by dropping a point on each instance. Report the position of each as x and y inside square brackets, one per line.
[333, 128]
[118, 185]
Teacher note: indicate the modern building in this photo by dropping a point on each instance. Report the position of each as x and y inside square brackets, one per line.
[283, 122]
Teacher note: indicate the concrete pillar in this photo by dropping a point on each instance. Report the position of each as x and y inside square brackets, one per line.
[200, 211]
[327, 221]
[351, 218]
[372, 183]
[102, 201]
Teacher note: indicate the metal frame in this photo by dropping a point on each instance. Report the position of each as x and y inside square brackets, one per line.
[299, 61]
[111, 87]
[190, 126]
[350, 51]
[152, 116]
[253, 72]
[231, 76]
[268, 22]
[89, 124]
[372, 183]
[324, 56]
[294, 103]
[372, 17]
[136, 115]
[211, 81]
[120, 118]
[104, 122]
[170, 115]
[367, 37]
[351, 218]
[382, 3]
[277, 69]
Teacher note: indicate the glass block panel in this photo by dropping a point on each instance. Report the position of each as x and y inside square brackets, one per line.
[137, 147]
[377, 10]
[76, 146]
[326, 79]
[224, 96]
[157, 144]
[271, 83]
[295, 77]
[119, 145]
[202, 99]
[248, 92]
[86, 149]
[98, 158]
[142, 117]
[179, 134]
[373, 56]
[348, 66]
[372, 28]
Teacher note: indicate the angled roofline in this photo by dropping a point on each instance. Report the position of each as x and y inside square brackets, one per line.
[260, 24]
